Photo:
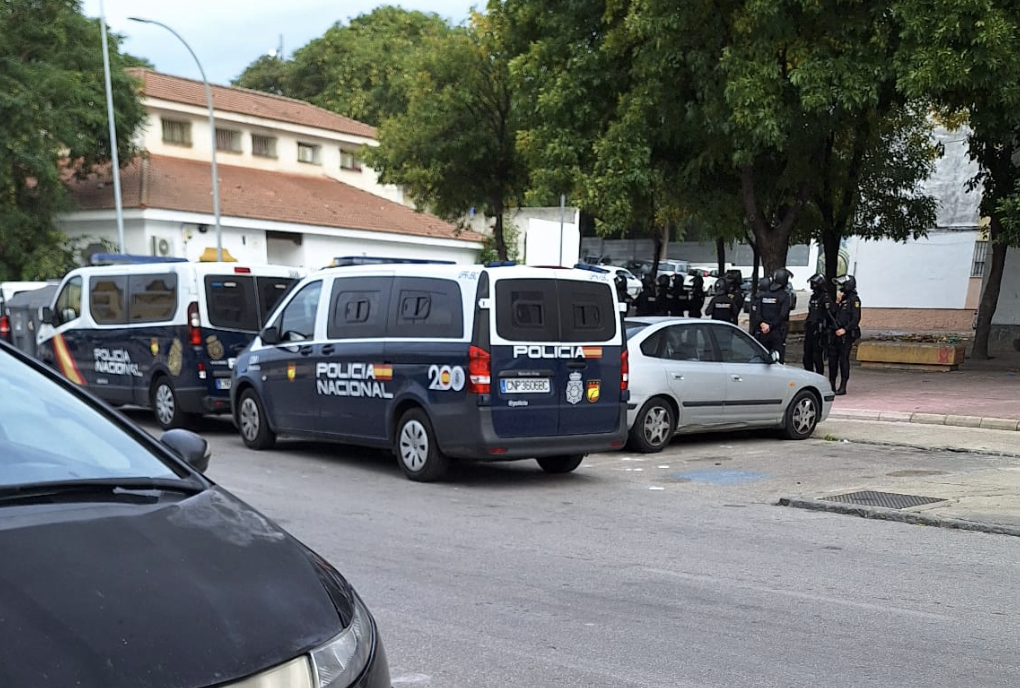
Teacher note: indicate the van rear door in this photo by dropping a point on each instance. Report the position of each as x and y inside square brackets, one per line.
[556, 348]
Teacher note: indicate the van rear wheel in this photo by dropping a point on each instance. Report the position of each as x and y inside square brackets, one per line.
[166, 408]
[560, 464]
[416, 448]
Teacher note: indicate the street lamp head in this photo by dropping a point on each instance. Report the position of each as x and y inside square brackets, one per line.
[139, 19]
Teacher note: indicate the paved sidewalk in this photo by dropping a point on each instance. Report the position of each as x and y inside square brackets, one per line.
[985, 499]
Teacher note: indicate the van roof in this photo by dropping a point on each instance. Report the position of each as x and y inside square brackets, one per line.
[470, 271]
[195, 268]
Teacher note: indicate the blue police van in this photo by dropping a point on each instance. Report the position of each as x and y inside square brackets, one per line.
[159, 333]
[440, 362]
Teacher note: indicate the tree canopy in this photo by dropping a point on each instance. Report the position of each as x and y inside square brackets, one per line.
[53, 122]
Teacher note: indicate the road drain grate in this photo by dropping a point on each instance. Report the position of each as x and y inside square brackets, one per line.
[888, 500]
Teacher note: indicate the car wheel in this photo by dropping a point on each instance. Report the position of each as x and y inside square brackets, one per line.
[416, 448]
[560, 464]
[252, 422]
[801, 416]
[654, 426]
[165, 406]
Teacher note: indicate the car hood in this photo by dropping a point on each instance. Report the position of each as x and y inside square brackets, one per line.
[188, 593]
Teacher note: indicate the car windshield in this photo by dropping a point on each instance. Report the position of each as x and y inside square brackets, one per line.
[48, 434]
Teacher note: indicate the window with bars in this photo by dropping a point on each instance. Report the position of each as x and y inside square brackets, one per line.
[307, 152]
[977, 268]
[176, 132]
[228, 140]
[263, 146]
[349, 160]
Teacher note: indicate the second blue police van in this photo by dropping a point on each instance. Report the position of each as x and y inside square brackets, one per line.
[442, 361]
[159, 333]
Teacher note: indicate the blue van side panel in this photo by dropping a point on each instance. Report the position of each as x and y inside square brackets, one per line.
[434, 375]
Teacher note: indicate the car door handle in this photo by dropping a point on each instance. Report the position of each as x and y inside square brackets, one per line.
[328, 350]
[677, 376]
[305, 350]
[736, 378]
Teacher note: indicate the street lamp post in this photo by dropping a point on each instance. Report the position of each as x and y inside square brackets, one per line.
[212, 133]
[115, 160]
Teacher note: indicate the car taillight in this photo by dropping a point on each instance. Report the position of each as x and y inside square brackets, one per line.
[5, 327]
[194, 329]
[624, 371]
[479, 378]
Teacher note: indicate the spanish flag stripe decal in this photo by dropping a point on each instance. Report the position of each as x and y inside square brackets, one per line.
[592, 351]
[65, 361]
[382, 371]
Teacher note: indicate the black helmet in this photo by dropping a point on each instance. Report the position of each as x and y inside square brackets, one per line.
[849, 284]
[621, 282]
[816, 281]
[663, 280]
[721, 287]
[765, 283]
[780, 278]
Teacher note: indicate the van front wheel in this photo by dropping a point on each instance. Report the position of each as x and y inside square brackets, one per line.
[416, 448]
[252, 422]
[165, 406]
[560, 464]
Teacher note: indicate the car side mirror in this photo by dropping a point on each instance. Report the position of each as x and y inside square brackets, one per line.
[47, 316]
[774, 356]
[195, 450]
[269, 335]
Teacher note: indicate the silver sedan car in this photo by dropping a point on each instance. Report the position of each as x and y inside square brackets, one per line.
[694, 375]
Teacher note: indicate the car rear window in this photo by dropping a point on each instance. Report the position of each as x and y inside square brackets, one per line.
[555, 310]
[242, 302]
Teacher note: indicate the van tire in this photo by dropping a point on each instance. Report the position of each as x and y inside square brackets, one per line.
[166, 407]
[416, 448]
[653, 427]
[252, 423]
[560, 464]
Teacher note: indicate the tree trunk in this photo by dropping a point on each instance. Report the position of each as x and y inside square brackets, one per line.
[772, 246]
[830, 247]
[497, 232]
[720, 255]
[990, 296]
[755, 264]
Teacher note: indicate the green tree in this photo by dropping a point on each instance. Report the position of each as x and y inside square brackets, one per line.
[454, 146]
[964, 56]
[266, 74]
[52, 123]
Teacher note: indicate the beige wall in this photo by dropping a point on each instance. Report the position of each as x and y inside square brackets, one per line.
[918, 319]
[973, 293]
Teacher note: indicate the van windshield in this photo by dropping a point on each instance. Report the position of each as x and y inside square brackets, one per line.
[242, 302]
[555, 310]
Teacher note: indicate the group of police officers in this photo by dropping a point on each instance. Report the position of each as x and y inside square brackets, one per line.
[831, 328]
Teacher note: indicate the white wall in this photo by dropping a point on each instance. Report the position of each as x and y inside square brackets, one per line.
[319, 250]
[933, 272]
[1008, 310]
[549, 243]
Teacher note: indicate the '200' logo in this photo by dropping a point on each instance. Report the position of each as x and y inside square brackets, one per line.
[446, 377]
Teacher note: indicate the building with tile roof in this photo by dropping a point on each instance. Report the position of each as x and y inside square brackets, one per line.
[292, 188]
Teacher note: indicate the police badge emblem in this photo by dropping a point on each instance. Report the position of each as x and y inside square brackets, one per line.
[575, 388]
[214, 347]
[594, 390]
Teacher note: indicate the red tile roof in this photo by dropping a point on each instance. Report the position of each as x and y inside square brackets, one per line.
[169, 183]
[247, 102]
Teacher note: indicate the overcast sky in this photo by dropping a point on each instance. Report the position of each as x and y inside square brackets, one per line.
[228, 35]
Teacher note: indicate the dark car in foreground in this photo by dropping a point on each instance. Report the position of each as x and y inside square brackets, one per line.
[123, 566]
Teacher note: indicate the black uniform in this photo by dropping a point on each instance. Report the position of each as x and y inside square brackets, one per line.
[666, 302]
[774, 309]
[848, 318]
[697, 296]
[723, 307]
[678, 302]
[817, 330]
[646, 303]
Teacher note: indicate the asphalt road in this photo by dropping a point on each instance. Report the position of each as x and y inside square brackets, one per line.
[662, 571]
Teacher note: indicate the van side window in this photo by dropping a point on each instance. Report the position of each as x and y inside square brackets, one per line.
[231, 302]
[152, 298]
[526, 310]
[69, 301]
[297, 322]
[107, 299]
[427, 308]
[587, 311]
[358, 308]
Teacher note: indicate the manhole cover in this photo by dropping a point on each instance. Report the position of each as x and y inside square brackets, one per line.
[888, 500]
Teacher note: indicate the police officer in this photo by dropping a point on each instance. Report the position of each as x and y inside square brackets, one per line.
[754, 309]
[697, 301]
[816, 326]
[621, 292]
[774, 314]
[647, 304]
[678, 301]
[735, 285]
[664, 294]
[847, 322]
[723, 304]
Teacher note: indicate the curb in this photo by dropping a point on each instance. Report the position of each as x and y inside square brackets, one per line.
[884, 514]
[927, 418]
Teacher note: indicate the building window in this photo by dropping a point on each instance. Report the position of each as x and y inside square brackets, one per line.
[228, 140]
[349, 160]
[263, 146]
[176, 132]
[306, 152]
[977, 267]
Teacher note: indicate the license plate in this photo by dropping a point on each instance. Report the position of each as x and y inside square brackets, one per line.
[524, 385]
[223, 383]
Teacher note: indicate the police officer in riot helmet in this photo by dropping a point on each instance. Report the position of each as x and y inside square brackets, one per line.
[697, 295]
[774, 314]
[754, 309]
[817, 325]
[723, 304]
[735, 285]
[664, 296]
[847, 330]
[621, 292]
[679, 301]
[647, 304]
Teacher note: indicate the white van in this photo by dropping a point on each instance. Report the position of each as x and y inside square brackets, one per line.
[439, 361]
[7, 292]
[162, 334]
